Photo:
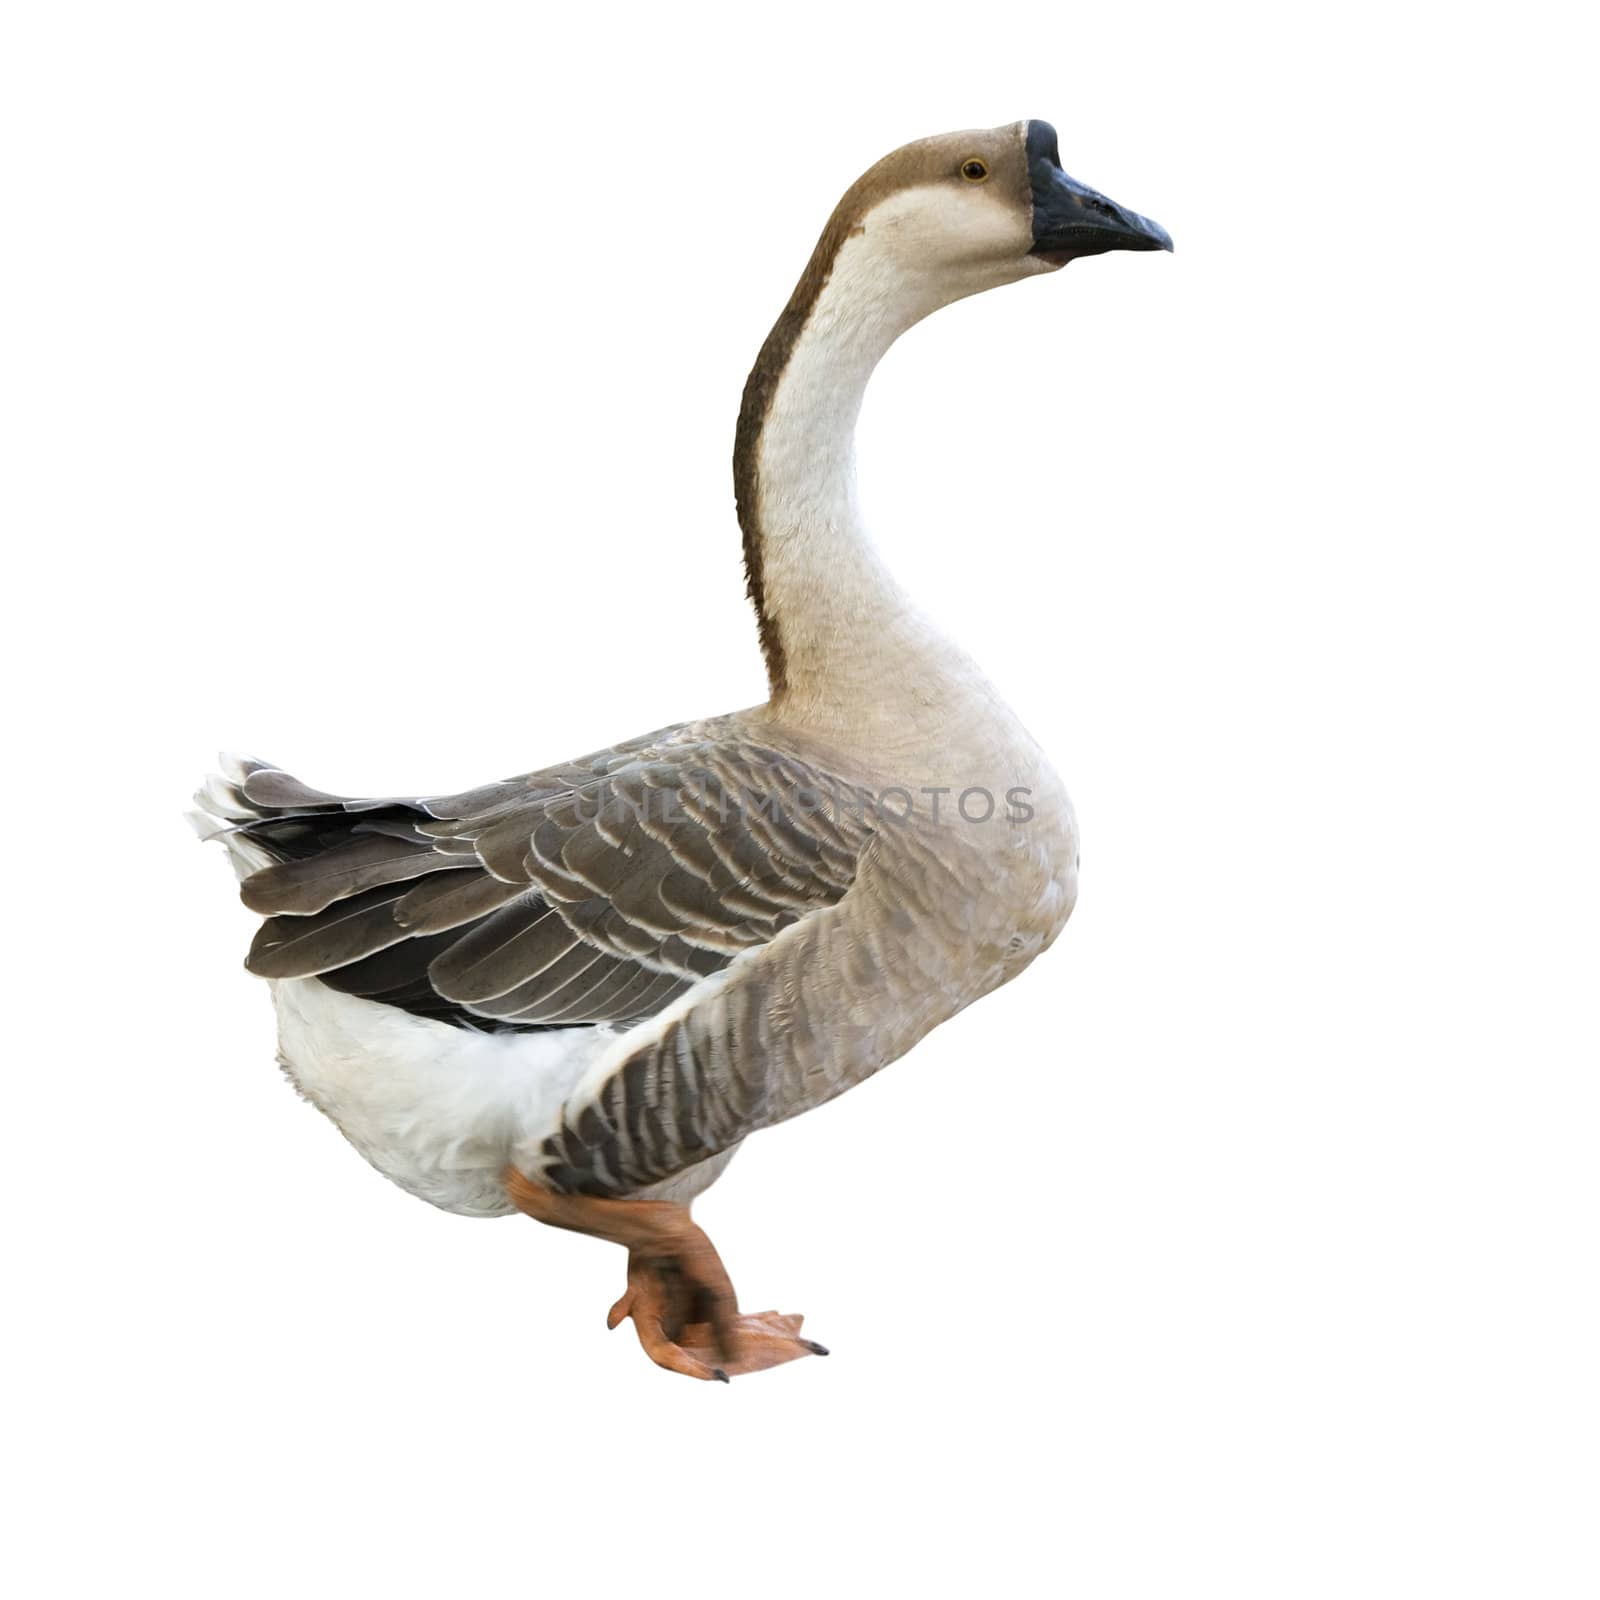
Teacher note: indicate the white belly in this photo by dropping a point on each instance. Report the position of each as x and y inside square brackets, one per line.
[440, 1110]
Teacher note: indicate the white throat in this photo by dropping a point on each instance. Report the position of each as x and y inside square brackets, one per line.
[858, 656]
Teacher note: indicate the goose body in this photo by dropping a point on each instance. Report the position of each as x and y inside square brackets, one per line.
[575, 992]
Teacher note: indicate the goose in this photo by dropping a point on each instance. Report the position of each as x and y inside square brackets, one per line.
[574, 993]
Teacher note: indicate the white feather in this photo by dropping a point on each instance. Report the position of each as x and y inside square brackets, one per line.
[439, 1109]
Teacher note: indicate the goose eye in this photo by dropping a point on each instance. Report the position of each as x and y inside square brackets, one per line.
[974, 170]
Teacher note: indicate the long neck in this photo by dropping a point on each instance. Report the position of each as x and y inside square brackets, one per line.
[839, 635]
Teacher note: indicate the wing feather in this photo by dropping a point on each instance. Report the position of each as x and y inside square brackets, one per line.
[301, 888]
[595, 891]
[305, 946]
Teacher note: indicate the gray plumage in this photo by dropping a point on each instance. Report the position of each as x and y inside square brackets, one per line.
[597, 891]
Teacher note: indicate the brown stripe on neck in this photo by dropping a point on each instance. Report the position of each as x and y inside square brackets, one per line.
[895, 171]
[759, 391]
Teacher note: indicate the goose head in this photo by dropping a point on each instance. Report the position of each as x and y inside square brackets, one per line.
[950, 216]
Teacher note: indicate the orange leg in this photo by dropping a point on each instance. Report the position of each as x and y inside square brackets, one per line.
[679, 1296]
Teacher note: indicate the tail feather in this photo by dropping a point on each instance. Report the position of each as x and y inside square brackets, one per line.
[264, 818]
[247, 855]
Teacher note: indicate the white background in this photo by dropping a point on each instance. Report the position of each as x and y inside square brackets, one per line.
[370, 375]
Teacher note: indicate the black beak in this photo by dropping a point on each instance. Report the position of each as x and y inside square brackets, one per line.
[1070, 219]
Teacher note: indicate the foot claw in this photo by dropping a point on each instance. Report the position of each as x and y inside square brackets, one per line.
[720, 1375]
[815, 1348]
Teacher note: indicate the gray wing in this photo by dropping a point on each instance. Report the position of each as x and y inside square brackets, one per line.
[800, 1019]
[595, 892]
